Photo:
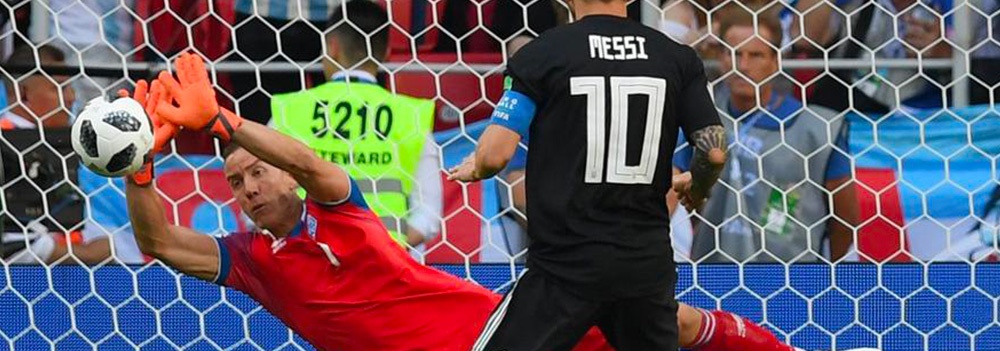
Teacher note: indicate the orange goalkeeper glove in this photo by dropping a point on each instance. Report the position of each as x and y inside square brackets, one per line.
[163, 131]
[197, 108]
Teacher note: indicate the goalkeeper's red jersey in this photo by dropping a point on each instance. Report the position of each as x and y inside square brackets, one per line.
[342, 283]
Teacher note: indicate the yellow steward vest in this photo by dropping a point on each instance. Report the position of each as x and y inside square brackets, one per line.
[377, 136]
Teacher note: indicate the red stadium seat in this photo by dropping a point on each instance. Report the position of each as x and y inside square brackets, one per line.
[403, 14]
[401, 19]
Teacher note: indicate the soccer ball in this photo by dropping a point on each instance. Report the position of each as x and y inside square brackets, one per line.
[112, 138]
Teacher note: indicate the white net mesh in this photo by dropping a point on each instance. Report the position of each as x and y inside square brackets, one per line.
[861, 217]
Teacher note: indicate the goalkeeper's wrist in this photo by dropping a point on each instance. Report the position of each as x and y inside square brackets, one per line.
[224, 124]
[144, 176]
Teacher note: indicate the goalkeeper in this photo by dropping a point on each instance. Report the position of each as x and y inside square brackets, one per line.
[325, 266]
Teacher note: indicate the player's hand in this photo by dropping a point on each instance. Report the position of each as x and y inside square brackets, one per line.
[464, 172]
[686, 194]
[197, 107]
[150, 97]
[193, 94]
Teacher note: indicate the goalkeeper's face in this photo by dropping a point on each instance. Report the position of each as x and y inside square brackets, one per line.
[265, 193]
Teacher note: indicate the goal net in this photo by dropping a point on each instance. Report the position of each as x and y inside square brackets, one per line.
[859, 207]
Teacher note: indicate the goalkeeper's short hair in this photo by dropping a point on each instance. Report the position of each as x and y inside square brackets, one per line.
[229, 149]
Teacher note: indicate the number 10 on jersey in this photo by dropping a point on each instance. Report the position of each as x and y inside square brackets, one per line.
[618, 172]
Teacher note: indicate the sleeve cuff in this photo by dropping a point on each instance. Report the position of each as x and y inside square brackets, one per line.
[225, 263]
[350, 191]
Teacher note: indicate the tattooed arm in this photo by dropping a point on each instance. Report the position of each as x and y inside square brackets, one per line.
[709, 158]
[699, 119]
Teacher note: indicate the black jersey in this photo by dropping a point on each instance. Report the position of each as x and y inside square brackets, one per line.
[611, 94]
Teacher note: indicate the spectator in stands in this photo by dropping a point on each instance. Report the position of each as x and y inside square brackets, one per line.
[92, 32]
[259, 27]
[685, 21]
[786, 163]
[35, 98]
[910, 29]
[382, 139]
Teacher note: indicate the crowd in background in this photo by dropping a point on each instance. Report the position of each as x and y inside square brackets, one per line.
[789, 192]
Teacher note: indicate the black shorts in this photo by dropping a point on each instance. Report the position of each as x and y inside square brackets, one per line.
[540, 315]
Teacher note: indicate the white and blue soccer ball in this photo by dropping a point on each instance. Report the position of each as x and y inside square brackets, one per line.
[112, 138]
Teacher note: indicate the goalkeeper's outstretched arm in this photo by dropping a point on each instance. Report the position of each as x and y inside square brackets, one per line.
[197, 109]
[182, 248]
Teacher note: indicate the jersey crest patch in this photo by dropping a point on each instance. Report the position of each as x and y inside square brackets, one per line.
[311, 226]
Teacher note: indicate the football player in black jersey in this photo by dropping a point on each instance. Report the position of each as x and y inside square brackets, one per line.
[601, 100]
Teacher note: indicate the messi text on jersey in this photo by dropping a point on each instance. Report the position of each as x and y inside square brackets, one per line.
[618, 48]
